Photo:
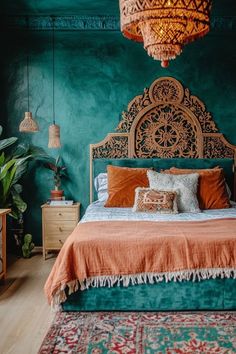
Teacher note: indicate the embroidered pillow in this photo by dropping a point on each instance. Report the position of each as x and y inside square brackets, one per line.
[186, 185]
[122, 182]
[154, 201]
[212, 190]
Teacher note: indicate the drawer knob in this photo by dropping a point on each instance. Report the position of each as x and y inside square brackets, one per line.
[60, 214]
[61, 242]
[60, 229]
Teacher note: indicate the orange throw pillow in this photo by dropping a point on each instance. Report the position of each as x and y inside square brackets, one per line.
[122, 182]
[212, 192]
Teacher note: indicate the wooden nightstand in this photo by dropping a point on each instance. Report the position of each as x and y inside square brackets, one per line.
[57, 224]
[3, 214]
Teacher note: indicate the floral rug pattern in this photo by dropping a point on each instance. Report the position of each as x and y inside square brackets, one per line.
[141, 333]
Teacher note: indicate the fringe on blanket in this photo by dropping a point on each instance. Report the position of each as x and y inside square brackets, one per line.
[140, 278]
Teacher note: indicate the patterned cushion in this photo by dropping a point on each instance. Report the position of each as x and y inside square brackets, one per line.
[186, 185]
[151, 200]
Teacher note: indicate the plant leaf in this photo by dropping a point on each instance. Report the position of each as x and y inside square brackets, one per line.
[2, 159]
[51, 166]
[7, 142]
[7, 181]
[21, 150]
[14, 214]
[5, 168]
[58, 160]
[39, 154]
[22, 165]
[18, 201]
[18, 188]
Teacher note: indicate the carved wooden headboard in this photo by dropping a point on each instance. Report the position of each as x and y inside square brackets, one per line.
[165, 122]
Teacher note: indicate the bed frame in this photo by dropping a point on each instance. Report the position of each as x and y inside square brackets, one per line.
[165, 122]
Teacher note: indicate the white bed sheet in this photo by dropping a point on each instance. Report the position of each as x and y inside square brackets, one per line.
[97, 212]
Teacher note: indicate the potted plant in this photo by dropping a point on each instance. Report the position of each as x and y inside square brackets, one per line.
[13, 166]
[59, 171]
[27, 246]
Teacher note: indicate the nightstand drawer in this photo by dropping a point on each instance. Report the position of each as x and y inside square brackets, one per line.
[57, 228]
[61, 214]
[55, 243]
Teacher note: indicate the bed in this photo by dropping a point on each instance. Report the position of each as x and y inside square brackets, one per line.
[164, 127]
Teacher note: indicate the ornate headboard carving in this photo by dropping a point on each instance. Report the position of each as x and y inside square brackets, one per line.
[165, 122]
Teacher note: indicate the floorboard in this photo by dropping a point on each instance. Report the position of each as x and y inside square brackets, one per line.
[25, 315]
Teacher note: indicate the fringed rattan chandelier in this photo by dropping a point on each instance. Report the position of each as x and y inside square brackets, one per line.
[165, 26]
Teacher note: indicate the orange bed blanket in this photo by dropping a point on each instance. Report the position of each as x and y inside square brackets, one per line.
[104, 253]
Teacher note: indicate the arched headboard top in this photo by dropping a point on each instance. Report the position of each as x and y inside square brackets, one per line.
[166, 121]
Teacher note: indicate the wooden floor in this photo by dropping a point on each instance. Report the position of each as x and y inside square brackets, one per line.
[25, 315]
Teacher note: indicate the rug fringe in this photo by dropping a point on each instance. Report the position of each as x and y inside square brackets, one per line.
[140, 278]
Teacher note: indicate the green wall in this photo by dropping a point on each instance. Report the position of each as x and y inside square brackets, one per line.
[97, 74]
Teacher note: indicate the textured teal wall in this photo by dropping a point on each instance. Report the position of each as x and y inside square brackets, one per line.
[97, 74]
[92, 7]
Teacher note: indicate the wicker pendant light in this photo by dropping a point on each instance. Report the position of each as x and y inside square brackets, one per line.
[54, 136]
[28, 124]
[165, 26]
[54, 129]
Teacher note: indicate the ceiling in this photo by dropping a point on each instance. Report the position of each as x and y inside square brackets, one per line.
[88, 7]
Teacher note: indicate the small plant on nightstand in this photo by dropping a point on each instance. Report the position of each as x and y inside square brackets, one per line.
[59, 171]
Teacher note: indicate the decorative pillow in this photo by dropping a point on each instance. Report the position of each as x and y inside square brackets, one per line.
[186, 185]
[229, 193]
[154, 201]
[122, 182]
[212, 190]
[100, 184]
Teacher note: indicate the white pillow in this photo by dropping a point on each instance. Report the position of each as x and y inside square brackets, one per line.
[101, 187]
[185, 184]
[228, 190]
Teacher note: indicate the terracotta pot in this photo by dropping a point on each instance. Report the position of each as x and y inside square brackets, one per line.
[56, 194]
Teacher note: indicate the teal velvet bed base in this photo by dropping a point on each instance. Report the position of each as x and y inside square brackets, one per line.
[212, 294]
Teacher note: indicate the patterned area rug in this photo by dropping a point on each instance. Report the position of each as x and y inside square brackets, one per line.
[141, 332]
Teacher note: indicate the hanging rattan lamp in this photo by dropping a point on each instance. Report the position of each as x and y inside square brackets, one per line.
[28, 124]
[54, 141]
[165, 26]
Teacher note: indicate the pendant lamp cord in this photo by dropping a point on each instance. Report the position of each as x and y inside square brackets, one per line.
[53, 69]
[27, 63]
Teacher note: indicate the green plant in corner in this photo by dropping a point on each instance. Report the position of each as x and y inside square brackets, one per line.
[14, 164]
[11, 170]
